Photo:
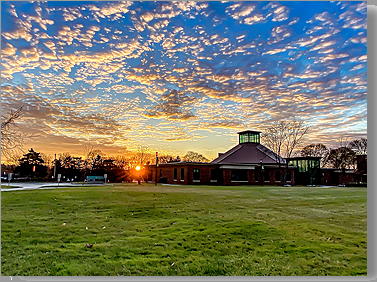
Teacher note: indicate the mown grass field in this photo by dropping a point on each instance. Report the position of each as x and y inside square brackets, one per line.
[184, 230]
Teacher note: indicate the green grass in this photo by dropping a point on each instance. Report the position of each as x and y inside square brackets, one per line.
[6, 186]
[185, 230]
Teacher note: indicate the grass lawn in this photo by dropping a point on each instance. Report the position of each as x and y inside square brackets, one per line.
[6, 186]
[184, 230]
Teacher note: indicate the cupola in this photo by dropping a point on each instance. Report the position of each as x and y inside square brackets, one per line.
[249, 136]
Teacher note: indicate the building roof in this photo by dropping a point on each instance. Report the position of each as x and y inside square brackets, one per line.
[248, 153]
[249, 131]
[304, 158]
[180, 163]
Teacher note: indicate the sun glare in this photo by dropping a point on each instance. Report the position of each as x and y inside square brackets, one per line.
[138, 168]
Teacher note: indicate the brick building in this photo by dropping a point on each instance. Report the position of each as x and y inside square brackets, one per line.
[251, 163]
[247, 163]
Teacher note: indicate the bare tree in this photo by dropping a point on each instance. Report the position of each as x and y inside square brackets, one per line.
[284, 137]
[11, 139]
[359, 146]
[91, 153]
[142, 156]
[342, 158]
[194, 157]
[49, 159]
[316, 150]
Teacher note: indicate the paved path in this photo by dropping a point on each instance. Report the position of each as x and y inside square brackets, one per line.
[41, 185]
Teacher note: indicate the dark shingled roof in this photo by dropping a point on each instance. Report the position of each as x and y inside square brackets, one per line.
[248, 153]
[249, 131]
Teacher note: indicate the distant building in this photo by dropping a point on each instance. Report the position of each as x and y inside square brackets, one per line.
[251, 163]
[347, 177]
[247, 163]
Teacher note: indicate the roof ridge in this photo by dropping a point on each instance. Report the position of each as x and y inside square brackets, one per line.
[269, 152]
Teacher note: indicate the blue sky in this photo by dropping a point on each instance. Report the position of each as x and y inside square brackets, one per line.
[180, 76]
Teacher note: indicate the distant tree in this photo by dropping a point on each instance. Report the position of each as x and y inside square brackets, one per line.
[48, 159]
[163, 159]
[91, 153]
[142, 156]
[70, 167]
[284, 137]
[121, 161]
[11, 139]
[342, 158]
[177, 159]
[316, 150]
[32, 164]
[194, 157]
[359, 146]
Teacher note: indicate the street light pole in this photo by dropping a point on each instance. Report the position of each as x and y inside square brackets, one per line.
[55, 167]
[156, 168]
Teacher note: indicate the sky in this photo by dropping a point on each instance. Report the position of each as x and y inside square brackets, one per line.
[181, 76]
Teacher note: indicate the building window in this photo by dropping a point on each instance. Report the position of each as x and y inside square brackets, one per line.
[239, 175]
[175, 173]
[196, 174]
[182, 174]
[249, 137]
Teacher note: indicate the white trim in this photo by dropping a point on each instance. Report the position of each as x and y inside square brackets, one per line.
[213, 180]
[237, 166]
[241, 181]
[196, 180]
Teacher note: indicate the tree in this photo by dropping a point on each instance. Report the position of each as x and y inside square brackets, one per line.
[142, 156]
[194, 157]
[91, 156]
[284, 137]
[32, 165]
[316, 150]
[163, 159]
[342, 158]
[11, 139]
[70, 167]
[359, 146]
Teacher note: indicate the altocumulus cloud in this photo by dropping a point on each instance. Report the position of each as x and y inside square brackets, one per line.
[115, 71]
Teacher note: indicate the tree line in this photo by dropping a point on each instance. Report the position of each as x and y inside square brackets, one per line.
[37, 166]
[343, 157]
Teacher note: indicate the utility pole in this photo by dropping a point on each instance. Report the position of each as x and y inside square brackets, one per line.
[55, 167]
[156, 168]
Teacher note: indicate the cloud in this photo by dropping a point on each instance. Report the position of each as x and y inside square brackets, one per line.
[173, 105]
[186, 66]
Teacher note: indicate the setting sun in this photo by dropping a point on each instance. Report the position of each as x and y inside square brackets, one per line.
[138, 168]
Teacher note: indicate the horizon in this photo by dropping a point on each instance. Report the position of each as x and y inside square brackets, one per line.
[182, 76]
